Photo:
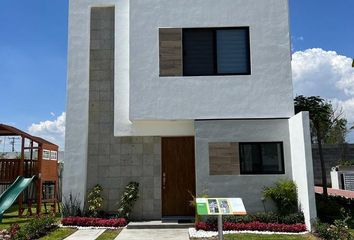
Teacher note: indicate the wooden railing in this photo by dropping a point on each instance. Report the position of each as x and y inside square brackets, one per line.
[9, 169]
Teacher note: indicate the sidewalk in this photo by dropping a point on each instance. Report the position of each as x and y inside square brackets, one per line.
[336, 192]
[86, 234]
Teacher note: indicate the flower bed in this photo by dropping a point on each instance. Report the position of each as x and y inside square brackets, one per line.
[93, 222]
[254, 226]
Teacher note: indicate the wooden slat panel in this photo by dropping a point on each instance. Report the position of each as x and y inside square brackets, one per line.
[170, 51]
[224, 158]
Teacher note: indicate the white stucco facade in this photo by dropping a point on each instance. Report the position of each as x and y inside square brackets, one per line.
[258, 106]
[302, 167]
[266, 93]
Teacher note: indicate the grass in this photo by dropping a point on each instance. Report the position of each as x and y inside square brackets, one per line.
[264, 237]
[11, 217]
[59, 234]
[109, 235]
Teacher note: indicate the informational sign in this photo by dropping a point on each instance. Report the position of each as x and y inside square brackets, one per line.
[220, 206]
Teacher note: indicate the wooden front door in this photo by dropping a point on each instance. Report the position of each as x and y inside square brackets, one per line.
[178, 176]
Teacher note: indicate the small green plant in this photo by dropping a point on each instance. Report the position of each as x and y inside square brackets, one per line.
[35, 229]
[128, 199]
[284, 195]
[71, 206]
[95, 201]
[336, 231]
[193, 203]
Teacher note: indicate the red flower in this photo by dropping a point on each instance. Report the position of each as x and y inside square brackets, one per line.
[94, 222]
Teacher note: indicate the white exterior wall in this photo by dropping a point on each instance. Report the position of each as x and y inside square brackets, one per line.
[77, 110]
[266, 93]
[302, 167]
[248, 187]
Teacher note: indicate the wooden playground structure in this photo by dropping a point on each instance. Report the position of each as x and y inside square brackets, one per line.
[37, 157]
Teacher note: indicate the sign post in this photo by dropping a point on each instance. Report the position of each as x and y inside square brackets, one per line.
[220, 232]
[219, 207]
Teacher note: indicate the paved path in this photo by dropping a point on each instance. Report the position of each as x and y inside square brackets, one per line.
[87, 234]
[153, 234]
[336, 192]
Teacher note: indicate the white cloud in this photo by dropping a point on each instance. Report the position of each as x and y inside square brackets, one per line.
[348, 108]
[326, 74]
[53, 131]
[323, 72]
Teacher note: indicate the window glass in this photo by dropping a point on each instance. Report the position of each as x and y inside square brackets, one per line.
[272, 157]
[198, 52]
[250, 158]
[53, 155]
[46, 154]
[261, 158]
[232, 51]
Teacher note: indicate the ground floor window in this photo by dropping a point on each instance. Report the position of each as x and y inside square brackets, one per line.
[233, 158]
[262, 158]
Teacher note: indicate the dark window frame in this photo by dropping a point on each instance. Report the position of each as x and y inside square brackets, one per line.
[248, 42]
[242, 172]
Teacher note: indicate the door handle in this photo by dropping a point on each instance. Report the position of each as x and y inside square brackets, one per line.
[163, 181]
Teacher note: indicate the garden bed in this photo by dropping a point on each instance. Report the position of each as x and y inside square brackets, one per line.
[193, 233]
[94, 222]
[254, 226]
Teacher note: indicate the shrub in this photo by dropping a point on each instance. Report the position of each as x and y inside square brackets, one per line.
[292, 218]
[35, 229]
[253, 226]
[330, 208]
[71, 206]
[93, 222]
[238, 219]
[336, 231]
[284, 195]
[266, 217]
[128, 199]
[95, 201]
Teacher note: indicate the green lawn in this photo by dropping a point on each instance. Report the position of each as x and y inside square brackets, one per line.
[59, 234]
[109, 235]
[264, 237]
[11, 217]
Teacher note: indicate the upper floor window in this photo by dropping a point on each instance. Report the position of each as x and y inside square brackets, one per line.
[53, 155]
[46, 154]
[204, 51]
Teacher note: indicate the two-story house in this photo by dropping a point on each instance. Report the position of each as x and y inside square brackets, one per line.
[185, 97]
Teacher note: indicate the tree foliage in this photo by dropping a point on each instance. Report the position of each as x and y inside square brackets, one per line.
[327, 123]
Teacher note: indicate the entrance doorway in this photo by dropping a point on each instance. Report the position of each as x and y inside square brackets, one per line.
[178, 176]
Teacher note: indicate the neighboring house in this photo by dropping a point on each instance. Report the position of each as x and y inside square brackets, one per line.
[184, 97]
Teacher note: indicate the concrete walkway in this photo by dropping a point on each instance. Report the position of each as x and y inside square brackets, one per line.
[336, 192]
[153, 234]
[86, 234]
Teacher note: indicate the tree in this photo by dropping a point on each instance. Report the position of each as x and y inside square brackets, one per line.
[326, 124]
[338, 133]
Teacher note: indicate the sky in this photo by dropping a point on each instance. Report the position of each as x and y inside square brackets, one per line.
[33, 60]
